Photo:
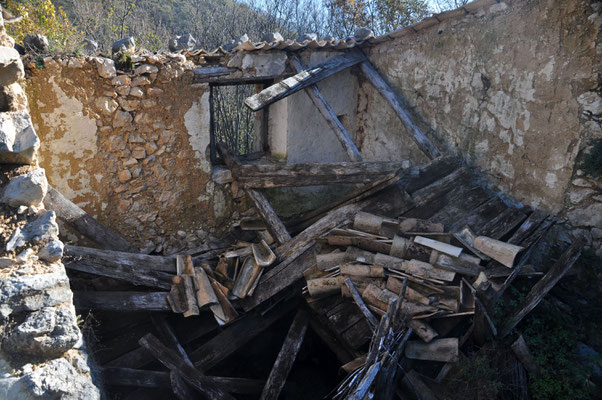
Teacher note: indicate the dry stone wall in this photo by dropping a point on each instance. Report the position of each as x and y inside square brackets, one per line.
[42, 353]
[131, 148]
[513, 87]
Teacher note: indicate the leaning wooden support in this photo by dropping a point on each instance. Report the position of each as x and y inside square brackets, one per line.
[286, 357]
[387, 92]
[329, 115]
[545, 284]
[302, 80]
[263, 206]
[83, 223]
[360, 303]
[171, 360]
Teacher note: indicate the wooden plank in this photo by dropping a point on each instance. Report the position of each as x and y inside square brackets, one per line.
[148, 278]
[121, 301]
[112, 259]
[171, 360]
[422, 141]
[360, 303]
[439, 246]
[261, 176]
[235, 336]
[504, 223]
[446, 350]
[302, 80]
[527, 227]
[83, 223]
[433, 197]
[545, 284]
[286, 357]
[461, 201]
[480, 215]
[329, 115]
[416, 178]
[263, 206]
[333, 341]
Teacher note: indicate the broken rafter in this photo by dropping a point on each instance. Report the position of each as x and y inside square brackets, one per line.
[263, 206]
[171, 360]
[423, 142]
[302, 80]
[83, 223]
[329, 115]
[286, 357]
[293, 175]
[545, 284]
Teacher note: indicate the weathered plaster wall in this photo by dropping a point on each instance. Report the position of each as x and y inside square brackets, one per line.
[131, 149]
[512, 87]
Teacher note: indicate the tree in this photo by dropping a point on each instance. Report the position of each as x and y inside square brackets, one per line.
[380, 16]
[41, 16]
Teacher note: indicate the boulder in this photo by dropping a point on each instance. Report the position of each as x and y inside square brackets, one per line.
[56, 379]
[272, 37]
[40, 230]
[33, 292]
[52, 251]
[307, 37]
[125, 44]
[106, 67]
[146, 69]
[36, 43]
[90, 46]
[28, 189]
[18, 140]
[184, 42]
[47, 333]
[361, 34]
[11, 67]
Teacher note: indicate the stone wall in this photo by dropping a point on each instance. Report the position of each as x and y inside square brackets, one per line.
[512, 87]
[42, 352]
[131, 149]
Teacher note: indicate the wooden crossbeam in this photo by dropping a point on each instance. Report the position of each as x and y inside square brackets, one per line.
[293, 175]
[329, 115]
[302, 80]
[121, 301]
[423, 142]
[83, 223]
[286, 357]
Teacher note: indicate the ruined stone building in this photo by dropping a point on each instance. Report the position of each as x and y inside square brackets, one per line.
[510, 90]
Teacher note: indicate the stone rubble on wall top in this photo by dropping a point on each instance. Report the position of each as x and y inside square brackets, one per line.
[11, 67]
[106, 67]
[18, 140]
[125, 44]
[48, 332]
[40, 230]
[28, 189]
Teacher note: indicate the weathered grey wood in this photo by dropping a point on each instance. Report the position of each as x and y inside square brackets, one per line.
[235, 336]
[121, 301]
[329, 115]
[364, 385]
[439, 188]
[360, 303]
[416, 178]
[503, 223]
[286, 357]
[169, 336]
[302, 80]
[261, 176]
[111, 259]
[527, 227]
[545, 284]
[149, 278]
[83, 223]
[423, 142]
[263, 206]
[445, 350]
[170, 359]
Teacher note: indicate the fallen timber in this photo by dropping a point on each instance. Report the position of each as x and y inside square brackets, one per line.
[385, 289]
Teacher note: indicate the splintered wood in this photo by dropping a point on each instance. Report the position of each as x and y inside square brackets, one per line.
[412, 265]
